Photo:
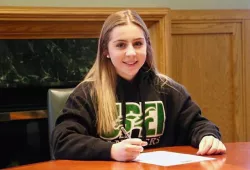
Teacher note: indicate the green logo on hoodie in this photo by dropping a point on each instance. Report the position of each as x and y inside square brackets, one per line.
[154, 120]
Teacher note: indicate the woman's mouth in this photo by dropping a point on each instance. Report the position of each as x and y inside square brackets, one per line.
[130, 63]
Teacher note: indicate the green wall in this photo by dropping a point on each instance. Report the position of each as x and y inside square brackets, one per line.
[173, 4]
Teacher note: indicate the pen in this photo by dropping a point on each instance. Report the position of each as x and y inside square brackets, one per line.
[125, 133]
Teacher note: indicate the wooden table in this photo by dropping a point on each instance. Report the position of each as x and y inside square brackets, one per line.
[236, 158]
[23, 115]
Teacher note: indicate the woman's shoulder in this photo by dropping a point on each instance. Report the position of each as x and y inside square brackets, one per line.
[85, 85]
[168, 85]
[83, 89]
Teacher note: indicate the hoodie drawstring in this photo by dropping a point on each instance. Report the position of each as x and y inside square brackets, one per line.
[123, 113]
[144, 133]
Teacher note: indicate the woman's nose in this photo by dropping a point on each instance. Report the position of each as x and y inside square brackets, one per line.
[130, 51]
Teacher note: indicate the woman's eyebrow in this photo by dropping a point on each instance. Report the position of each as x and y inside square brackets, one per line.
[119, 41]
[141, 38]
[122, 40]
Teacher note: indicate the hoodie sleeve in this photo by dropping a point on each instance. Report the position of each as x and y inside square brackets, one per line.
[74, 136]
[191, 122]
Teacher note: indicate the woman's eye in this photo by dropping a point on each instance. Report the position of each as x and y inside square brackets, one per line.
[121, 45]
[138, 44]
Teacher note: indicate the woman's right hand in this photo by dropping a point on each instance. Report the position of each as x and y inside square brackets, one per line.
[127, 150]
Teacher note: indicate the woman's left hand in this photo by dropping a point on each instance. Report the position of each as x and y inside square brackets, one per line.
[210, 145]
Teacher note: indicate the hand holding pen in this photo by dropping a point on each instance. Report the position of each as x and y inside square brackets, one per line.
[128, 149]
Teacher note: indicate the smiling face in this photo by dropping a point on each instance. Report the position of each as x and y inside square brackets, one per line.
[127, 50]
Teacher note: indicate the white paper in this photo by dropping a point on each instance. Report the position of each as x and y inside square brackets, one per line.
[165, 158]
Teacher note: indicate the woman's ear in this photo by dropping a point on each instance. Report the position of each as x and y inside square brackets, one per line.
[106, 54]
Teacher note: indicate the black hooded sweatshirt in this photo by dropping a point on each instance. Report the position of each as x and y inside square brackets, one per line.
[157, 111]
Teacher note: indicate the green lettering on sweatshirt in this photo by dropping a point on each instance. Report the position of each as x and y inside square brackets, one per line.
[154, 119]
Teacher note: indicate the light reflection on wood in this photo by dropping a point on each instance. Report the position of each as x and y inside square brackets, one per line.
[34, 114]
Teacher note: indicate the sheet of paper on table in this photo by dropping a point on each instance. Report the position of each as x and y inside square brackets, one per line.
[165, 158]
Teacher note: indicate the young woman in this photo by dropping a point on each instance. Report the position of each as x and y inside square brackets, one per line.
[123, 89]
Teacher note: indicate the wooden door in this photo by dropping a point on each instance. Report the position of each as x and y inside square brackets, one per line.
[207, 60]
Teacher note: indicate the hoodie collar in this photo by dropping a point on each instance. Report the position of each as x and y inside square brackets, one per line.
[143, 74]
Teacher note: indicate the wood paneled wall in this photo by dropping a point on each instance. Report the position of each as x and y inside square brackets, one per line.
[211, 58]
[246, 29]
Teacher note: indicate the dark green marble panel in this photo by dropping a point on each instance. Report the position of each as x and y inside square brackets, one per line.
[45, 62]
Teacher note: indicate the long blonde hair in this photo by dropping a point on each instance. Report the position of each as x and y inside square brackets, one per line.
[103, 74]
